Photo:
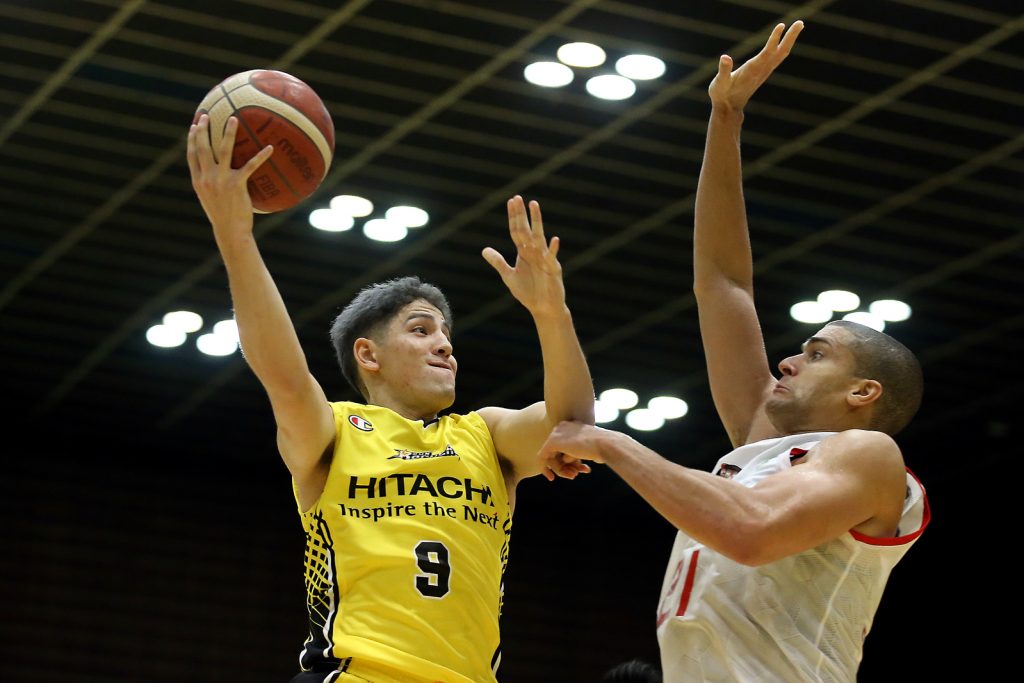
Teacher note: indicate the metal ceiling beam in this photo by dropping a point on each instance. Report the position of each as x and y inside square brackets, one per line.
[763, 164]
[342, 170]
[486, 204]
[162, 163]
[69, 67]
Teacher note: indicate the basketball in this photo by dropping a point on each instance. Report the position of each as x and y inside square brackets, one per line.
[273, 108]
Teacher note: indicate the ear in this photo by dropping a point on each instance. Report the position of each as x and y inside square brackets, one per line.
[365, 353]
[864, 393]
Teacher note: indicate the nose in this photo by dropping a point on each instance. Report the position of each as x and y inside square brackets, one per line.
[444, 347]
[787, 366]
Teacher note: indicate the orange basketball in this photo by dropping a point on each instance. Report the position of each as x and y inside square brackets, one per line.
[273, 108]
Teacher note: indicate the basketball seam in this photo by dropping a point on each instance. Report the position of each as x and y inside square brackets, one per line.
[289, 104]
[321, 142]
[249, 83]
[256, 139]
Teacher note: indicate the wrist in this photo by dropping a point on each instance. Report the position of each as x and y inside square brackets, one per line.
[233, 239]
[554, 315]
[611, 445]
[725, 112]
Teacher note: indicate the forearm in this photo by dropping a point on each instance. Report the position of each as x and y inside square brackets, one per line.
[265, 330]
[715, 511]
[568, 388]
[720, 242]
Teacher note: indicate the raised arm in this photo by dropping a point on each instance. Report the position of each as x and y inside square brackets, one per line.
[738, 368]
[271, 347]
[854, 480]
[536, 282]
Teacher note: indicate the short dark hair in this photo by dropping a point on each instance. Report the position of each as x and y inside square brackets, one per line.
[879, 357]
[371, 309]
[633, 671]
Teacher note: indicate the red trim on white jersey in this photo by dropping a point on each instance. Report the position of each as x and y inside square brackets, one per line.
[684, 599]
[926, 517]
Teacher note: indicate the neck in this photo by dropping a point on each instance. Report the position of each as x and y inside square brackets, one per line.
[383, 397]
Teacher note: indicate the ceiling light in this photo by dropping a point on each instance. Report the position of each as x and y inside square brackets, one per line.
[640, 67]
[864, 318]
[892, 310]
[409, 216]
[839, 300]
[165, 336]
[330, 220]
[383, 230]
[548, 74]
[810, 312]
[186, 321]
[611, 87]
[622, 399]
[227, 329]
[668, 407]
[581, 54]
[644, 420]
[216, 345]
[605, 412]
[352, 205]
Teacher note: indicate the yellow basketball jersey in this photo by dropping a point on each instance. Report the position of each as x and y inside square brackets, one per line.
[405, 550]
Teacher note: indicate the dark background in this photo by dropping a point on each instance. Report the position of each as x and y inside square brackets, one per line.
[148, 529]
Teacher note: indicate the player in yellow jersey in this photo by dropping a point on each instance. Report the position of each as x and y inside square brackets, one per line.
[407, 513]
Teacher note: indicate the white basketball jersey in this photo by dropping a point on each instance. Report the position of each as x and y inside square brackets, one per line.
[800, 619]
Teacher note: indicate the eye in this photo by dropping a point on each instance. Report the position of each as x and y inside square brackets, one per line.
[815, 355]
[419, 329]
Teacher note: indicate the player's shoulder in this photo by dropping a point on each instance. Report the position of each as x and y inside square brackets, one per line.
[861, 446]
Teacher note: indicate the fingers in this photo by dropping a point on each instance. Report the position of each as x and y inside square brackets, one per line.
[724, 66]
[772, 43]
[517, 228]
[227, 141]
[553, 247]
[497, 262]
[190, 152]
[526, 234]
[201, 138]
[790, 38]
[537, 223]
[257, 161]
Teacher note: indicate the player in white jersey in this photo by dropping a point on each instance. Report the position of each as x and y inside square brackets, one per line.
[784, 549]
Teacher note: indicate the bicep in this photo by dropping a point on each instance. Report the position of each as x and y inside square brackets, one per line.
[738, 370]
[518, 436]
[846, 484]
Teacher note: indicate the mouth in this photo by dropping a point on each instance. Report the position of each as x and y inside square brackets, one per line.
[443, 366]
[778, 388]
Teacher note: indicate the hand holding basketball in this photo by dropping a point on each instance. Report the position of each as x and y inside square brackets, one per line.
[271, 108]
[221, 189]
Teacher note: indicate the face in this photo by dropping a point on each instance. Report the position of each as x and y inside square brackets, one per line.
[415, 361]
[812, 394]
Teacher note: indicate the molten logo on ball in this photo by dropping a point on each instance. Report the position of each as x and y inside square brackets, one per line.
[274, 108]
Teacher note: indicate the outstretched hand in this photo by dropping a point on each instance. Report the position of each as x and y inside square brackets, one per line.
[733, 89]
[221, 189]
[536, 279]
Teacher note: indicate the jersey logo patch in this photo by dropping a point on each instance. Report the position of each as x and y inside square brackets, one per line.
[360, 423]
[728, 471]
[402, 454]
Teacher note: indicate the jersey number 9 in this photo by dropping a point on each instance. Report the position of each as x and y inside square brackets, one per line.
[432, 559]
